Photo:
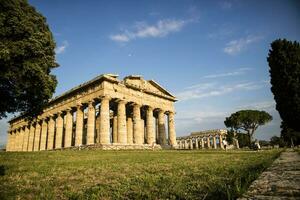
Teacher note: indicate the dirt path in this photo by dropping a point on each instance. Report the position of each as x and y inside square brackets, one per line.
[280, 181]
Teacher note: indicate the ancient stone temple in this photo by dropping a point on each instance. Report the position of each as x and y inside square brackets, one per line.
[132, 113]
[203, 140]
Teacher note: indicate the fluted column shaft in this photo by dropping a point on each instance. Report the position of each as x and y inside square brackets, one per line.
[59, 131]
[31, 138]
[68, 129]
[79, 125]
[172, 133]
[202, 143]
[162, 127]
[214, 142]
[150, 126]
[8, 143]
[137, 132]
[196, 143]
[115, 129]
[208, 142]
[122, 130]
[12, 143]
[43, 135]
[191, 144]
[51, 128]
[221, 141]
[91, 123]
[129, 131]
[185, 144]
[37, 137]
[104, 121]
[18, 140]
[26, 138]
[22, 137]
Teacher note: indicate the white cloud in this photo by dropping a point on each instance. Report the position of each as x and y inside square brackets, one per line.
[264, 105]
[235, 46]
[200, 91]
[237, 72]
[143, 30]
[62, 48]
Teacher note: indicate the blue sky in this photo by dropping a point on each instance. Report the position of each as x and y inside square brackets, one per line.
[210, 54]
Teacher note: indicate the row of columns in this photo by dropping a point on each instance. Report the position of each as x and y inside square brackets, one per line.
[201, 142]
[56, 131]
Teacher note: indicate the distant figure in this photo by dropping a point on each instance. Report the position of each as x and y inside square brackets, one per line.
[225, 144]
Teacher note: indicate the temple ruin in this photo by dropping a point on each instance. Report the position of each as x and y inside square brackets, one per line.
[132, 113]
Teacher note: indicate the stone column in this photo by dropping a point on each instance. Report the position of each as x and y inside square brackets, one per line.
[186, 144]
[129, 131]
[137, 132]
[59, 131]
[122, 130]
[43, 135]
[115, 129]
[12, 142]
[191, 144]
[91, 123]
[79, 125]
[171, 124]
[8, 143]
[26, 138]
[51, 128]
[179, 144]
[150, 126]
[221, 141]
[31, 137]
[17, 140]
[196, 143]
[202, 143]
[22, 138]
[208, 142]
[214, 142]
[37, 136]
[69, 128]
[104, 121]
[161, 126]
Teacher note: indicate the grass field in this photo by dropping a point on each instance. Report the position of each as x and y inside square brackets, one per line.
[97, 174]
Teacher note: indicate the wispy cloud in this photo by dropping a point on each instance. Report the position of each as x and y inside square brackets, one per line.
[263, 105]
[162, 28]
[200, 91]
[237, 72]
[235, 46]
[62, 48]
[225, 5]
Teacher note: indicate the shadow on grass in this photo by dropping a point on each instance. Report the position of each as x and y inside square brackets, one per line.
[2, 170]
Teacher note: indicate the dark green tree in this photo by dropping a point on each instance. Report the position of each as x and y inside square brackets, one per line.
[247, 121]
[275, 140]
[26, 59]
[284, 63]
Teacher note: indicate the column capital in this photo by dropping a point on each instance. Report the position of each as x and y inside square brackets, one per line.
[68, 110]
[105, 97]
[121, 101]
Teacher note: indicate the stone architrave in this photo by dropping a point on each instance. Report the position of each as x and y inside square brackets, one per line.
[69, 128]
[43, 135]
[122, 136]
[79, 125]
[104, 120]
[51, 130]
[149, 126]
[129, 130]
[91, 123]
[162, 127]
[59, 131]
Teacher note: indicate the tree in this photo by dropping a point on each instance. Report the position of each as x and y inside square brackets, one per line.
[26, 59]
[275, 140]
[284, 63]
[247, 121]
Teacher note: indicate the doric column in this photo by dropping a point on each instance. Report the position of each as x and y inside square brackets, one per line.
[150, 126]
[79, 125]
[91, 123]
[43, 135]
[162, 127]
[18, 134]
[22, 137]
[31, 137]
[59, 131]
[191, 144]
[51, 129]
[122, 130]
[129, 131]
[208, 142]
[17, 140]
[115, 129]
[12, 142]
[26, 138]
[104, 121]
[202, 143]
[196, 143]
[214, 142]
[221, 141]
[137, 132]
[69, 128]
[171, 124]
[186, 144]
[8, 143]
[37, 135]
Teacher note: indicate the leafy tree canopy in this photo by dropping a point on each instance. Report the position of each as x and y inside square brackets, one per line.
[26, 59]
[247, 121]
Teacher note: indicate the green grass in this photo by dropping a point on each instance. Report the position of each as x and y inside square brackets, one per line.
[97, 174]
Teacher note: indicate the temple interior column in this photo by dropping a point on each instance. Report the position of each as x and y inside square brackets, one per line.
[79, 125]
[51, 129]
[59, 131]
[37, 135]
[43, 135]
[122, 136]
[129, 130]
[137, 132]
[150, 126]
[214, 142]
[161, 126]
[104, 121]
[208, 142]
[91, 123]
[171, 124]
[69, 128]
[31, 137]
[115, 129]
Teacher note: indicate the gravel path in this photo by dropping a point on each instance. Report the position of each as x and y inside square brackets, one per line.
[280, 181]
